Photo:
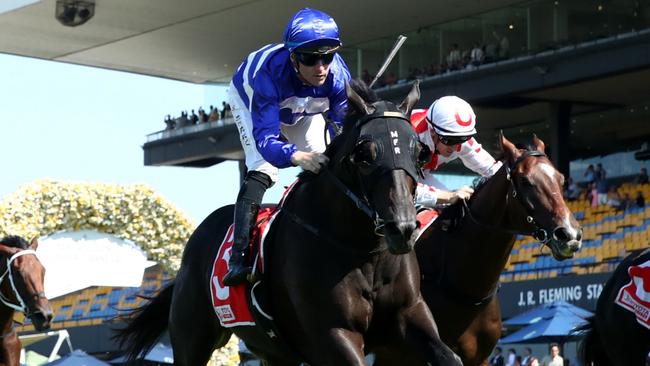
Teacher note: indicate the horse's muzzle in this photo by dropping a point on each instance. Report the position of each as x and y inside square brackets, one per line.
[41, 319]
[400, 236]
[565, 243]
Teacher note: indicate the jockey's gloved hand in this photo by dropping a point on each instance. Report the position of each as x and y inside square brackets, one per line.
[310, 161]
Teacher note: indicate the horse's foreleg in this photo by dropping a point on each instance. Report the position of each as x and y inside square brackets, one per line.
[421, 335]
[10, 351]
[341, 347]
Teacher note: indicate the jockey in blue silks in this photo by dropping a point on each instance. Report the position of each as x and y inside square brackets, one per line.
[278, 97]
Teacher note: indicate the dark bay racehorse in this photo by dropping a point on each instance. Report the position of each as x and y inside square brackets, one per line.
[336, 288]
[21, 289]
[464, 251]
[615, 337]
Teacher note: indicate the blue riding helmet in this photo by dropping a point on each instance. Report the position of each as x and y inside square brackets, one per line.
[313, 31]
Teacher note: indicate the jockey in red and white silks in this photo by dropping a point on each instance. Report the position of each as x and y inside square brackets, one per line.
[448, 127]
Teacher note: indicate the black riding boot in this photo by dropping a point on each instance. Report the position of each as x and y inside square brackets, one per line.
[246, 208]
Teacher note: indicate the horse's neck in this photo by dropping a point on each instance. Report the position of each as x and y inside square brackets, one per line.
[484, 246]
[322, 204]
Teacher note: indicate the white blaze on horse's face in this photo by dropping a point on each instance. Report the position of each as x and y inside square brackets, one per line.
[549, 170]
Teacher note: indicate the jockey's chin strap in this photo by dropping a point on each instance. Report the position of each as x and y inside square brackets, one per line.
[9, 273]
[538, 233]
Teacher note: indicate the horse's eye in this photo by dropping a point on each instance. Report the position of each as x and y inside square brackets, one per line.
[364, 153]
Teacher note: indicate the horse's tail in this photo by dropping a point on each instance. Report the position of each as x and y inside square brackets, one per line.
[591, 351]
[145, 324]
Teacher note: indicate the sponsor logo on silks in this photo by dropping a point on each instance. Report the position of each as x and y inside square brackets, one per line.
[463, 122]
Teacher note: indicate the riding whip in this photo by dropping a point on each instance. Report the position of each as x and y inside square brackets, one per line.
[389, 58]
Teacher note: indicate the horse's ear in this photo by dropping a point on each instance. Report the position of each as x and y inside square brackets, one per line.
[411, 99]
[34, 243]
[358, 102]
[7, 251]
[510, 151]
[538, 144]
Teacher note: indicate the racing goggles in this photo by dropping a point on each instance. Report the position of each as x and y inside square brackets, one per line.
[453, 140]
[310, 59]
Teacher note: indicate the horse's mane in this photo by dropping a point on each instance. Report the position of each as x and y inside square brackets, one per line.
[352, 115]
[15, 241]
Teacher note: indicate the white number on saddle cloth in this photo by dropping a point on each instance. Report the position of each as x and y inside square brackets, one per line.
[229, 302]
[635, 296]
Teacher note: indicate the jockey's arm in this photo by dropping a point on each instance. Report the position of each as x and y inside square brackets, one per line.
[477, 159]
[426, 193]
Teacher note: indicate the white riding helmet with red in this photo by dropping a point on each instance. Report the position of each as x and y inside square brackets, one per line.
[452, 117]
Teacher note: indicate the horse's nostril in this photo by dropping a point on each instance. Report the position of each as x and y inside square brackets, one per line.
[579, 236]
[562, 234]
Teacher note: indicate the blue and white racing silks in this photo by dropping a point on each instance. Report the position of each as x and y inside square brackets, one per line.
[269, 86]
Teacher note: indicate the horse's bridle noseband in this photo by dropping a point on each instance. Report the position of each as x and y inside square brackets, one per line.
[21, 306]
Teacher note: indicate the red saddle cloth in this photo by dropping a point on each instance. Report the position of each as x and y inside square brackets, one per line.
[230, 302]
[426, 218]
[635, 296]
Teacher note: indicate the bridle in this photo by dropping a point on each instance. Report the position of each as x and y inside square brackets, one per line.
[539, 233]
[8, 273]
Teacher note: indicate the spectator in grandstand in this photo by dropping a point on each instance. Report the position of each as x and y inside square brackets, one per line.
[169, 122]
[226, 111]
[214, 114]
[477, 55]
[592, 194]
[512, 356]
[533, 361]
[626, 202]
[491, 52]
[528, 354]
[296, 82]
[202, 116]
[497, 358]
[454, 58]
[613, 199]
[182, 121]
[194, 118]
[553, 359]
[601, 187]
[642, 178]
[639, 200]
[447, 128]
[571, 192]
[589, 175]
[600, 172]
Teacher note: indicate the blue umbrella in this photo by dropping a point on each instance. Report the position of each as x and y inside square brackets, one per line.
[78, 358]
[560, 328]
[547, 311]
